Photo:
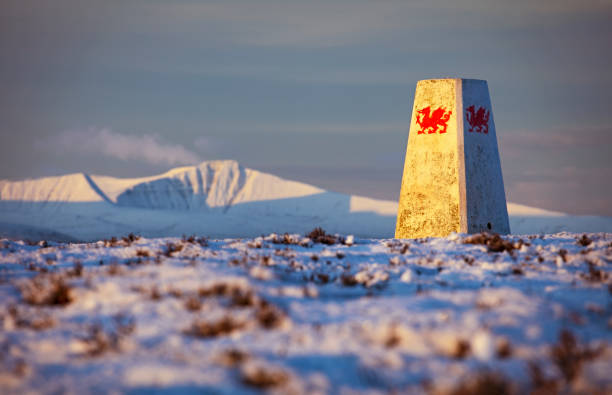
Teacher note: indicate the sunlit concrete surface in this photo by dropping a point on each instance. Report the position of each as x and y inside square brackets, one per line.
[452, 179]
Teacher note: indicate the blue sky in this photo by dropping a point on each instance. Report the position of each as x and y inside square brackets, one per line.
[318, 91]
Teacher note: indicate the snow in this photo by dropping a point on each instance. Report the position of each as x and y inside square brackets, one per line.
[138, 315]
[242, 312]
[218, 199]
[68, 188]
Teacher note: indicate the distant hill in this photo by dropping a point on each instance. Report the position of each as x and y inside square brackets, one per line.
[218, 199]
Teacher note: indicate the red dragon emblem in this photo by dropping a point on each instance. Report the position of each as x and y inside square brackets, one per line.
[432, 122]
[478, 119]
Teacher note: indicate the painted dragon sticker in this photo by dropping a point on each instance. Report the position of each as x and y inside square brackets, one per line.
[432, 122]
[478, 119]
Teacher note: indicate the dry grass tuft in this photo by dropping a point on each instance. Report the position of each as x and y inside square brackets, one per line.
[461, 349]
[263, 377]
[584, 240]
[495, 243]
[232, 357]
[193, 304]
[503, 349]
[37, 320]
[219, 289]
[320, 278]
[269, 316]
[114, 269]
[224, 326]
[397, 246]
[202, 241]
[172, 248]
[243, 298]
[569, 356]
[46, 290]
[143, 253]
[318, 235]
[239, 296]
[540, 384]
[257, 243]
[394, 336]
[77, 269]
[484, 383]
[113, 242]
[100, 340]
[129, 239]
[594, 275]
[348, 280]
[155, 294]
[286, 239]
[266, 260]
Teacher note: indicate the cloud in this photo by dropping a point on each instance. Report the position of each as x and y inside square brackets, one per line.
[144, 148]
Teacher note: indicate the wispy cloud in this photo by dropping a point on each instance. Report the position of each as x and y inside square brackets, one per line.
[144, 148]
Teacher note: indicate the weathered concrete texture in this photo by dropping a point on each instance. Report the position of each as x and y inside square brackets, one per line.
[452, 178]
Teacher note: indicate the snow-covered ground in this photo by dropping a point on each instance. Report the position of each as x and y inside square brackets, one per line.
[218, 199]
[292, 315]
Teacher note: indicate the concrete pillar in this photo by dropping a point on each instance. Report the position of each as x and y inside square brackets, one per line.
[452, 178]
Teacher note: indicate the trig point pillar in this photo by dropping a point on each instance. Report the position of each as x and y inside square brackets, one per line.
[452, 178]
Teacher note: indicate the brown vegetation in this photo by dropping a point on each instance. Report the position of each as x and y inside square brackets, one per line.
[171, 248]
[484, 383]
[263, 377]
[584, 240]
[202, 241]
[540, 384]
[77, 269]
[503, 349]
[269, 316]
[286, 239]
[232, 357]
[461, 349]
[193, 303]
[142, 253]
[36, 320]
[46, 289]
[594, 275]
[569, 356]
[318, 235]
[100, 340]
[129, 239]
[226, 325]
[495, 243]
[348, 280]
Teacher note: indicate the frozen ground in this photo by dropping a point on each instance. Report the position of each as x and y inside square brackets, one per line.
[292, 315]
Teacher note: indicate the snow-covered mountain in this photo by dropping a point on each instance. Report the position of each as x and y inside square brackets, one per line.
[218, 199]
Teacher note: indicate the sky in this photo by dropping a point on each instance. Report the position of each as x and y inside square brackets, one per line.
[315, 91]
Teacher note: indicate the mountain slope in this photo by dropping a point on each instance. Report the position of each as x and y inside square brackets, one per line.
[69, 188]
[215, 198]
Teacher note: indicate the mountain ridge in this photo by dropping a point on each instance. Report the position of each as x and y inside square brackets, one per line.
[110, 189]
[218, 199]
[220, 182]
